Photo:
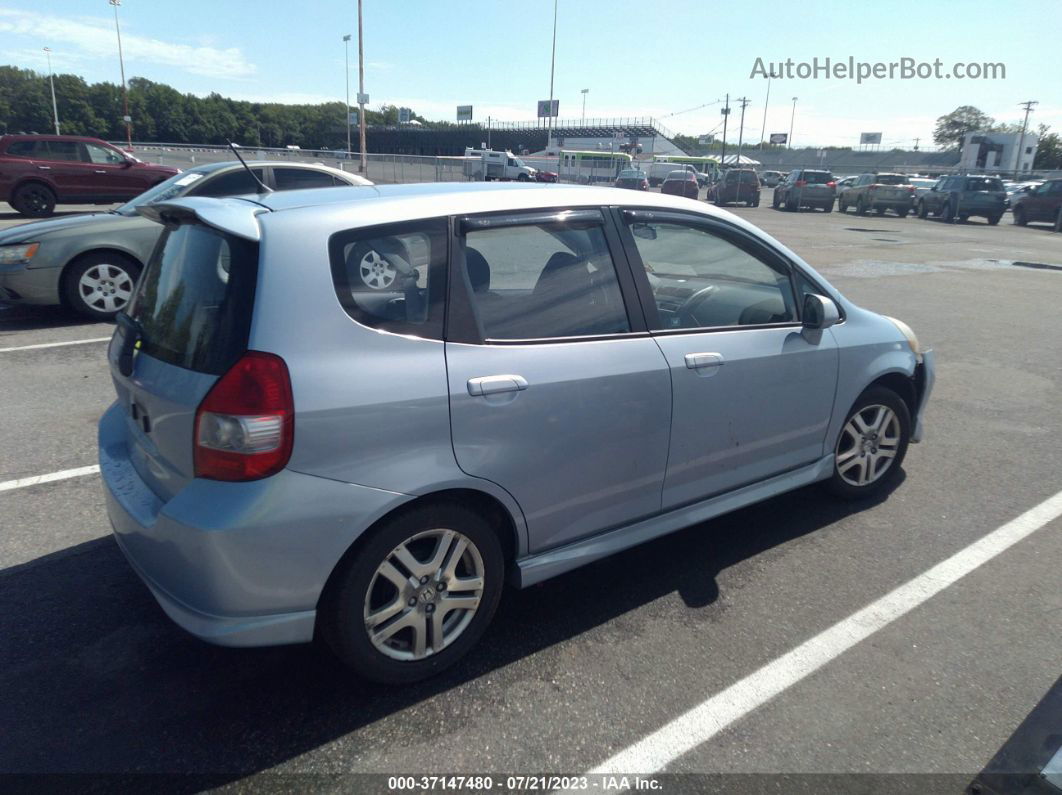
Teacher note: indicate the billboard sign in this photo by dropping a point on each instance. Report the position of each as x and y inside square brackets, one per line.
[869, 138]
[464, 113]
[779, 138]
[405, 115]
[545, 109]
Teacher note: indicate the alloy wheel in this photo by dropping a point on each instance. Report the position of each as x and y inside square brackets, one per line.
[106, 287]
[868, 445]
[376, 272]
[424, 594]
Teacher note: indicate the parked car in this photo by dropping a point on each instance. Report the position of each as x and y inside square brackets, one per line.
[770, 178]
[37, 172]
[736, 185]
[1015, 189]
[681, 183]
[958, 198]
[374, 479]
[843, 182]
[878, 192]
[545, 176]
[1039, 204]
[806, 187]
[91, 262]
[921, 187]
[632, 179]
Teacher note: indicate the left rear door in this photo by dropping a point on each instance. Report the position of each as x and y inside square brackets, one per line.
[557, 392]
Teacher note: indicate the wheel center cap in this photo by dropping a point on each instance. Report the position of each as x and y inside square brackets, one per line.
[428, 594]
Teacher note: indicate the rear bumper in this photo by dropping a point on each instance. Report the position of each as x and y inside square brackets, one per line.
[236, 564]
[925, 377]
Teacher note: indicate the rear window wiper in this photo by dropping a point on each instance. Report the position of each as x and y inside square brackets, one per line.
[132, 331]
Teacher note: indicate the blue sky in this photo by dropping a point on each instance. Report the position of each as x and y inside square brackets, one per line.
[637, 58]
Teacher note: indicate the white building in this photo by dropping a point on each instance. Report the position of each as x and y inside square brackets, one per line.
[985, 151]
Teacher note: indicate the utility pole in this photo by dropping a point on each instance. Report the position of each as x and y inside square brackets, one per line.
[552, 65]
[1021, 141]
[916, 143]
[726, 115]
[346, 73]
[125, 92]
[741, 128]
[763, 128]
[584, 92]
[362, 97]
[792, 116]
[51, 80]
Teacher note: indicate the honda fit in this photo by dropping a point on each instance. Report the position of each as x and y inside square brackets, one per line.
[354, 414]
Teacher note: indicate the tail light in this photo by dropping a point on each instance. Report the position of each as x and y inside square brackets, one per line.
[831, 184]
[910, 188]
[245, 426]
[800, 183]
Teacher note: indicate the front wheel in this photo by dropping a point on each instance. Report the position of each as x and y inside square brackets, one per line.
[861, 206]
[1019, 216]
[827, 208]
[922, 213]
[775, 204]
[523, 178]
[948, 214]
[100, 285]
[993, 220]
[902, 213]
[416, 596]
[871, 446]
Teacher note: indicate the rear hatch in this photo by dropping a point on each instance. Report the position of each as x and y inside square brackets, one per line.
[892, 188]
[819, 185]
[191, 316]
[984, 193]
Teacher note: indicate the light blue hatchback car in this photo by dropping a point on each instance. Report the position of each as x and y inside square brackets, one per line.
[355, 413]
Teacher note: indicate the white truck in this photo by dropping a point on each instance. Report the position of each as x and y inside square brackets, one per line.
[487, 164]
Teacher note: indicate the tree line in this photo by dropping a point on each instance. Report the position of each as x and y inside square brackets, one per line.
[161, 114]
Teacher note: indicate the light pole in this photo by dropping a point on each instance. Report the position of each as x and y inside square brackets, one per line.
[125, 93]
[1021, 141]
[584, 92]
[741, 128]
[792, 116]
[362, 98]
[51, 80]
[552, 64]
[763, 128]
[346, 74]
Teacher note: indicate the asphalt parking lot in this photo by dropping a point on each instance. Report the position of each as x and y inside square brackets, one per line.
[576, 671]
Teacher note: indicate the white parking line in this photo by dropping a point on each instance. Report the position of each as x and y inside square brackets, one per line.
[656, 751]
[54, 344]
[22, 483]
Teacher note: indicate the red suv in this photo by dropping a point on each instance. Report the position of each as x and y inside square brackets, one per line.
[39, 171]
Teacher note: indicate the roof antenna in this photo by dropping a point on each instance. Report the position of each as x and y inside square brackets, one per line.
[264, 188]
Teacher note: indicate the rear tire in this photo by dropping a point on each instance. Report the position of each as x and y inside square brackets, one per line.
[100, 284]
[1019, 216]
[902, 213]
[360, 588]
[867, 457]
[775, 204]
[993, 220]
[922, 210]
[34, 200]
[828, 208]
[791, 206]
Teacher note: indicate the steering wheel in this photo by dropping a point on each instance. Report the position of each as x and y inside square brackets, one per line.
[685, 312]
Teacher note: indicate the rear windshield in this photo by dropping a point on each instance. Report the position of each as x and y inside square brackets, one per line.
[891, 179]
[194, 301]
[680, 175]
[818, 177]
[984, 183]
[740, 176]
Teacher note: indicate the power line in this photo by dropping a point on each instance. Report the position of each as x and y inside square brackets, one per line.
[690, 110]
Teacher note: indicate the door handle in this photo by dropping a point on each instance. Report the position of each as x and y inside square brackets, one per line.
[493, 384]
[45, 168]
[695, 361]
[101, 171]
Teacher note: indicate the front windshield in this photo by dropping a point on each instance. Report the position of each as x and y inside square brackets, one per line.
[175, 186]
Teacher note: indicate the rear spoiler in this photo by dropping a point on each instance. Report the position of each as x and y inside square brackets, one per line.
[233, 216]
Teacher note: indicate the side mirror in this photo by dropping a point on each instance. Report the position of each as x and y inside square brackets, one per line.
[820, 312]
[127, 163]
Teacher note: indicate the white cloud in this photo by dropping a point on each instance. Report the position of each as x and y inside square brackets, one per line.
[95, 37]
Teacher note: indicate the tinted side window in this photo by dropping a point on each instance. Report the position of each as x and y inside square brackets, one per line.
[20, 149]
[295, 178]
[58, 150]
[393, 277]
[233, 183]
[702, 280]
[544, 280]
